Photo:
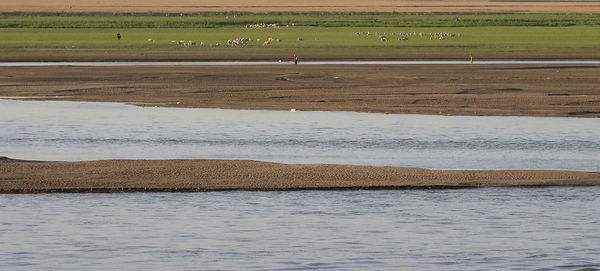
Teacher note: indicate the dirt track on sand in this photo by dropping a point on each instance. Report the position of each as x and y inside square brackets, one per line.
[205, 175]
[446, 90]
[288, 5]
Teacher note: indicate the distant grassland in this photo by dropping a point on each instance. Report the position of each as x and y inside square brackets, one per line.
[211, 36]
[495, 38]
[324, 19]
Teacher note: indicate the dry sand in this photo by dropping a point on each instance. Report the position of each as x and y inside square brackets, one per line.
[306, 5]
[206, 175]
[446, 90]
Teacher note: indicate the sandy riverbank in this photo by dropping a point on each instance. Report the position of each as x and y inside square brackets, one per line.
[532, 90]
[18, 176]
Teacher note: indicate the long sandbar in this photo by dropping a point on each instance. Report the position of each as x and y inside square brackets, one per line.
[18, 176]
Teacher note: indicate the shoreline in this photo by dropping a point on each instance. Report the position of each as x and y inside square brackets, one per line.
[558, 62]
[457, 90]
[57, 55]
[103, 176]
[276, 110]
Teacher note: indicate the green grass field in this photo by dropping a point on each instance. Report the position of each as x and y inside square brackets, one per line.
[325, 19]
[314, 36]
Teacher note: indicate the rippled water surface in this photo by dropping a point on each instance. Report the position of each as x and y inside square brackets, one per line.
[475, 229]
[89, 131]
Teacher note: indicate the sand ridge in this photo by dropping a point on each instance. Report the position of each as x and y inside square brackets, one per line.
[207, 175]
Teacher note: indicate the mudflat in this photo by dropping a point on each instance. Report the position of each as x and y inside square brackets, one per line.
[17, 176]
[307, 5]
[538, 90]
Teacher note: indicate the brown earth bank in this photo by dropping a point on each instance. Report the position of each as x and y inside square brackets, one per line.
[543, 90]
[306, 5]
[274, 54]
[17, 176]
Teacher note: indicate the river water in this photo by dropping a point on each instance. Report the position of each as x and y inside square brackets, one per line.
[523, 62]
[74, 131]
[474, 229]
[554, 228]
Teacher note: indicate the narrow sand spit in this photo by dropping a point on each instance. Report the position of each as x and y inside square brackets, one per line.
[18, 176]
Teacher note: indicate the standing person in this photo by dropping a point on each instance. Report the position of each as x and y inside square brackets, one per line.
[119, 36]
[296, 58]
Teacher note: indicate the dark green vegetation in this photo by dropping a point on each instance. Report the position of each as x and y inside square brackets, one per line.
[219, 36]
[324, 19]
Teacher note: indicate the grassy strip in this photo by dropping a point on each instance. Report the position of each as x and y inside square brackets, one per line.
[210, 36]
[325, 19]
[480, 38]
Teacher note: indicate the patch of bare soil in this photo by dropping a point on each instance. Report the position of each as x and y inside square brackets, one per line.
[444, 90]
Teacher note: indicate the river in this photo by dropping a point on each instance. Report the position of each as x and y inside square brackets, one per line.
[73, 131]
[522, 62]
[473, 229]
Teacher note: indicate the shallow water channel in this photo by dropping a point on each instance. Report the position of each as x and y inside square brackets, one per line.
[88, 131]
[523, 62]
[556, 228]
[474, 229]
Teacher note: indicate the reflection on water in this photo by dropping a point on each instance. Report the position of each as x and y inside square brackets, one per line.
[563, 62]
[474, 229]
[89, 131]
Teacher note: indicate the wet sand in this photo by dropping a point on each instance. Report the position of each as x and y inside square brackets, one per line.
[495, 90]
[17, 176]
